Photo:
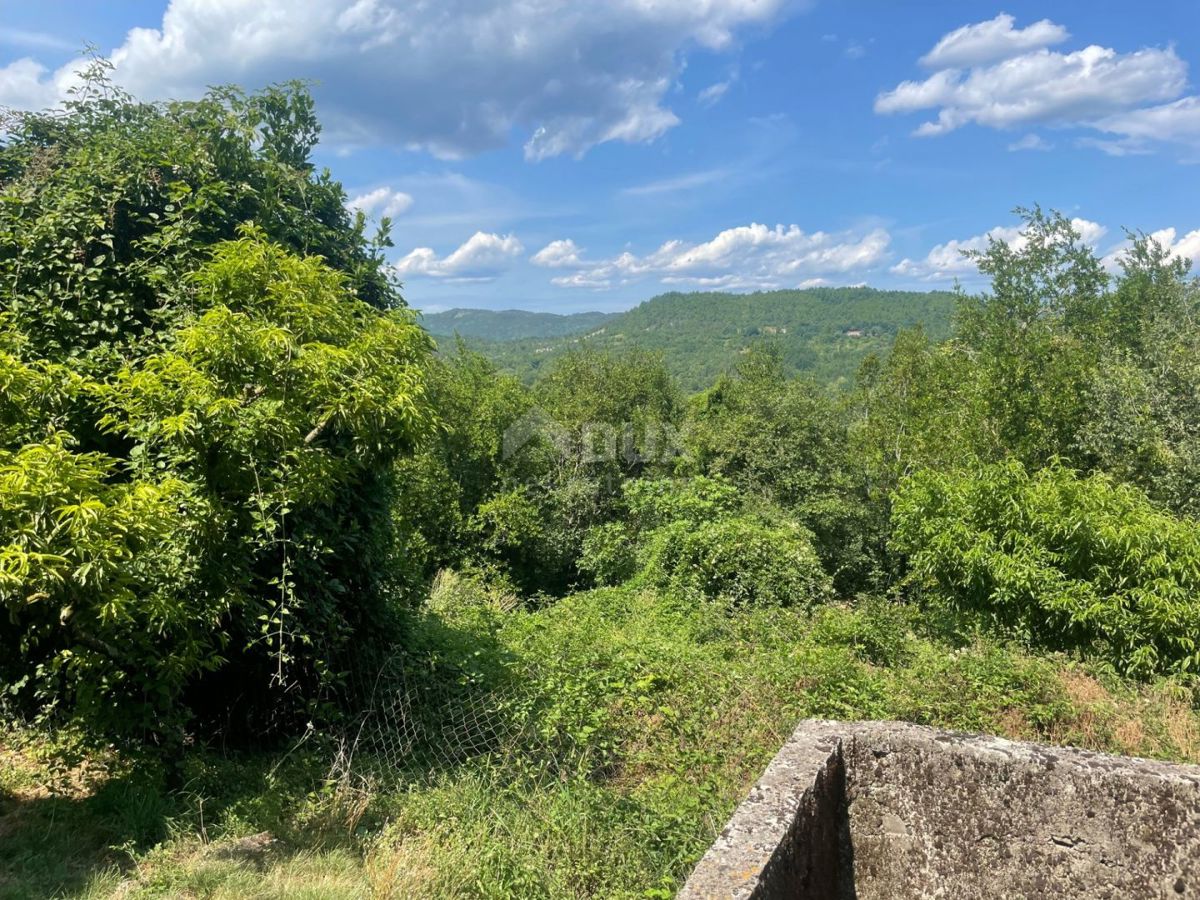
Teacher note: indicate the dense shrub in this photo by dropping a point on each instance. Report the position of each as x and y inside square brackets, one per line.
[653, 502]
[240, 544]
[1061, 560]
[609, 554]
[739, 560]
[205, 383]
[698, 537]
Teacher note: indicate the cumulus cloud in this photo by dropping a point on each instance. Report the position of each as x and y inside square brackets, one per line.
[748, 256]
[1171, 121]
[481, 257]
[27, 84]
[455, 77]
[991, 41]
[998, 76]
[947, 261]
[1187, 246]
[382, 202]
[558, 255]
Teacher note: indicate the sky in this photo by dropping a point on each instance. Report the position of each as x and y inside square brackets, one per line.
[569, 155]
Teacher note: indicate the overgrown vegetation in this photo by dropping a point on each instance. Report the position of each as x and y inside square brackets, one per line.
[295, 606]
[207, 382]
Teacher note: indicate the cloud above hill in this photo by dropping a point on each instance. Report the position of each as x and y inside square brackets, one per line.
[481, 257]
[455, 77]
[750, 256]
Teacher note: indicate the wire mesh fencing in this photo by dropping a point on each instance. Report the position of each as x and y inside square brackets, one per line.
[413, 726]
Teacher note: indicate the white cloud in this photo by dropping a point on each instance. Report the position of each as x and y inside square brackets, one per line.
[1187, 246]
[27, 84]
[482, 257]
[998, 76]
[688, 182]
[991, 41]
[1030, 142]
[1118, 147]
[558, 255]
[748, 256]
[947, 261]
[1171, 121]
[1041, 87]
[582, 280]
[382, 202]
[455, 77]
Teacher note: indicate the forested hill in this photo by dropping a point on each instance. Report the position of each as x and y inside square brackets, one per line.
[822, 332]
[511, 324]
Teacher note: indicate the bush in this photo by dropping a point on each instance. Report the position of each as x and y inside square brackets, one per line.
[609, 554]
[695, 536]
[739, 560]
[199, 416]
[1060, 560]
[654, 502]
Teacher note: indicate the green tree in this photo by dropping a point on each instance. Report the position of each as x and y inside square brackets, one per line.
[607, 419]
[1025, 338]
[463, 466]
[1144, 395]
[105, 208]
[207, 382]
[784, 441]
[1059, 560]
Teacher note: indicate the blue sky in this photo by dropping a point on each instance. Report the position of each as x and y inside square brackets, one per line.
[555, 155]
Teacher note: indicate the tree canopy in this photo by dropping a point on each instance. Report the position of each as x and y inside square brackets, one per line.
[208, 376]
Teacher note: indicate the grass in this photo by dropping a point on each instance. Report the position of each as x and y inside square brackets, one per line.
[649, 718]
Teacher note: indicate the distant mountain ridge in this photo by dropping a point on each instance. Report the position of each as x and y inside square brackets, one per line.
[823, 333]
[511, 324]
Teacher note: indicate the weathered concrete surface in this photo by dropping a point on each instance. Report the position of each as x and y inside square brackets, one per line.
[784, 840]
[937, 814]
[892, 811]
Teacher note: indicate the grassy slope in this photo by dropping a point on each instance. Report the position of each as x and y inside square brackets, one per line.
[701, 334]
[672, 708]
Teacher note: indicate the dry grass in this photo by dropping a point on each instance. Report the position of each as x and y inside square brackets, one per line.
[1158, 721]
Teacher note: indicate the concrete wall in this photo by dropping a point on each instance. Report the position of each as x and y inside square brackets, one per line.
[887, 811]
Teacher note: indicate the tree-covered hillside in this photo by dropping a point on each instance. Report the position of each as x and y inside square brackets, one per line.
[511, 324]
[822, 333]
